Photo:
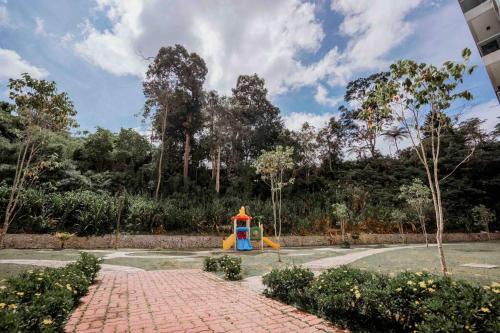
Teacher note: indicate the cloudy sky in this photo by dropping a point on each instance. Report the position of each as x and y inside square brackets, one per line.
[306, 51]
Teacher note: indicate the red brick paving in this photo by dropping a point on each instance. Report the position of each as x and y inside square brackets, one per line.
[183, 301]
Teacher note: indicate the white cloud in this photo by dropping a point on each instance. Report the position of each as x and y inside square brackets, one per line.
[263, 37]
[12, 65]
[487, 111]
[4, 17]
[40, 26]
[295, 120]
[322, 97]
[244, 37]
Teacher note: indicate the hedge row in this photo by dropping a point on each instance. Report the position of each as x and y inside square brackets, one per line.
[95, 213]
[41, 300]
[372, 302]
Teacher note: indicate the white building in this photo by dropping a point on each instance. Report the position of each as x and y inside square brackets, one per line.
[483, 18]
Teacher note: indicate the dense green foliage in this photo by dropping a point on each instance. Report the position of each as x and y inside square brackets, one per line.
[289, 285]
[370, 302]
[218, 139]
[229, 265]
[41, 300]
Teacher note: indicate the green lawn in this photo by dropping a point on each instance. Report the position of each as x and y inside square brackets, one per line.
[253, 262]
[427, 259]
[258, 263]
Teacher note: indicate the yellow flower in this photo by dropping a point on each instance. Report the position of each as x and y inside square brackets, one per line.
[422, 284]
[496, 291]
[37, 294]
[486, 287]
[418, 273]
[485, 310]
[410, 283]
[3, 287]
[19, 293]
[39, 279]
[417, 302]
[357, 294]
[430, 281]
[414, 289]
[68, 287]
[47, 321]
[399, 289]
[2, 305]
[431, 290]
[12, 306]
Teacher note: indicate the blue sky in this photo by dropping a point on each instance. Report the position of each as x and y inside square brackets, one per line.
[306, 51]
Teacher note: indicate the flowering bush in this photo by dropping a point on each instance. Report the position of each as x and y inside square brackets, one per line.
[289, 285]
[230, 265]
[210, 264]
[40, 300]
[406, 302]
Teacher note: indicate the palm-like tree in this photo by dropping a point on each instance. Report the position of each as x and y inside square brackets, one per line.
[396, 134]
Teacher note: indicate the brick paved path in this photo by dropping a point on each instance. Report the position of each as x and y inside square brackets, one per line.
[183, 301]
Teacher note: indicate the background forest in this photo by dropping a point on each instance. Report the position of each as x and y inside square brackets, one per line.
[194, 170]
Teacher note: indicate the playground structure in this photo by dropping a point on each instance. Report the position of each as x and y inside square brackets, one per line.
[242, 236]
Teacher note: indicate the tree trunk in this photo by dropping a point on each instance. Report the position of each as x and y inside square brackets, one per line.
[163, 126]
[422, 223]
[23, 161]
[217, 172]
[187, 147]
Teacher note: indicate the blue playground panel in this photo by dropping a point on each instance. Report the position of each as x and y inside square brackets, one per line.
[242, 241]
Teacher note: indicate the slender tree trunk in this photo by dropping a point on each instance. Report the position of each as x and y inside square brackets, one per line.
[187, 147]
[422, 224]
[24, 158]
[342, 230]
[217, 174]
[163, 126]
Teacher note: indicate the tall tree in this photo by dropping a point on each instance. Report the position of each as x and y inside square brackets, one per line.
[367, 109]
[419, 95]
[272, 167]
[192, 76]
[307, 148]
[42, 110]
[218, 120]
[160, 86]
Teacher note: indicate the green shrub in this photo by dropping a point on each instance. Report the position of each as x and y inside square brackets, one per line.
[289, 285]
[349, 297]
[210, 264]
[407, 302]
[41, 300]
[232, 269]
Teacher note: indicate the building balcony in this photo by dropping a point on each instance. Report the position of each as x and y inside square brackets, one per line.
[467, 5]
[489, 46]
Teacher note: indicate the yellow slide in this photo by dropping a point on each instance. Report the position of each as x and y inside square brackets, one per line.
[228, 242]
[271, 243]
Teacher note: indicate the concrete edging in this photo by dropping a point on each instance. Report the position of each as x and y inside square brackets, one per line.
[47, 241]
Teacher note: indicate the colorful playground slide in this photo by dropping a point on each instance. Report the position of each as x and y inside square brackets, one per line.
[271, 243]
[228, 242]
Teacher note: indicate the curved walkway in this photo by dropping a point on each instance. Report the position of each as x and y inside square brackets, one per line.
[184, 301]
[325, 263]
[61, 263]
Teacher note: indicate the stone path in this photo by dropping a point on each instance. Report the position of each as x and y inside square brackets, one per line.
[325, 263]
[184, 301]
[61, 263]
